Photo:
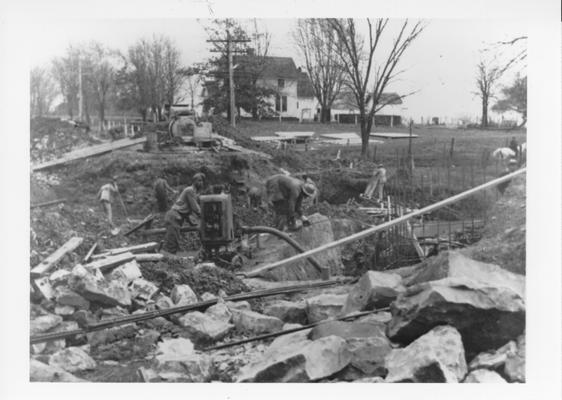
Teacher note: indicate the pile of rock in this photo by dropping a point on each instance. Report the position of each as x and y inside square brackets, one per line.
[441, 316]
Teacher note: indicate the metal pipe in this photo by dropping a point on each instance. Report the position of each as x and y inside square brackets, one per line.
[174, 310]
[286, 331]
[160, 231]
[286, 238]
[386, 225]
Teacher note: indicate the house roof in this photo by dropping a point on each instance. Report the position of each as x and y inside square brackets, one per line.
[304, 86]
[275, 67]
[346, 99]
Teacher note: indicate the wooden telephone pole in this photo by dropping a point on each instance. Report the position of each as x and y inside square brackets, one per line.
[229, 54]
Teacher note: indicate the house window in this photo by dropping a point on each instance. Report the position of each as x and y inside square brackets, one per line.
[280, 103]
[280, 83]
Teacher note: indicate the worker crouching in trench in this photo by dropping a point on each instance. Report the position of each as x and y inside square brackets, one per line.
[185, 206]
[285, 195]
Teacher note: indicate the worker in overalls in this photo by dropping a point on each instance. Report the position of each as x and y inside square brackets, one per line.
[285, 195]
[105, 196]
[161, 191]
[185, 206]
[377, 182]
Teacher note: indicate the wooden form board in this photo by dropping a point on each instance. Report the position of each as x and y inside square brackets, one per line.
[133, 249]
[89, 152]
[392, 135]
[294, 134]
[105, 264]
[55, 257]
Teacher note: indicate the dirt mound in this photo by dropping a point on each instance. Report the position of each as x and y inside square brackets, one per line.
[52, 137]
[503, 240]
[203, 278]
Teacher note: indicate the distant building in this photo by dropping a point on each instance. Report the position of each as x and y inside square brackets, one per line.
[294, 97]
[345, 110]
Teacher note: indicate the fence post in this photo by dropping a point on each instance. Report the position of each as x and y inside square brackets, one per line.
[451, 151]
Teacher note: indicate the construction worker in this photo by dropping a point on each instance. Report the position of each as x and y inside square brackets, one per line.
[105, 197]
[285, 194]
[377, 182]
[185, 206]
[161, 190]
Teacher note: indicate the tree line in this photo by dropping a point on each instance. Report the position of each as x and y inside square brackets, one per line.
[356, 57]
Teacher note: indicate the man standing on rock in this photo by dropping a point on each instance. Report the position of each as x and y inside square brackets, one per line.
[285, 194]
[105, 197]
[186, 205]
[161, 190]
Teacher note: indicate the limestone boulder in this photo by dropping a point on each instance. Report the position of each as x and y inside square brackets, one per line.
[127, 272]
[220, 311]
[203, 328]
[437, 356]
[142, 289]
[453, 264]
[96, 289]
[238, 305]
[44, 323]
[163, 302]
[318, 233]
[486, 315]
[366, 341]
[324, 306]
[41, 372]
[514, 368]
[375, 289]
[72, 359]
[67, 297]
[287, 311]
[309, 361]
[177, 361]
[183, 295]
[256, 323]
[495, 359]
[483, 376]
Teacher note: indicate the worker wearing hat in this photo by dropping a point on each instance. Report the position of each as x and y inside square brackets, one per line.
[377, 182]
[285, 194]
[186, 205]
[105, 197]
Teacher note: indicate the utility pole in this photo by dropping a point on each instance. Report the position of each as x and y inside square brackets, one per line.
[229, 53]
[80, 93]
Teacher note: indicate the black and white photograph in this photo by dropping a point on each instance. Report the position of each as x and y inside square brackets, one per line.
[307, 197]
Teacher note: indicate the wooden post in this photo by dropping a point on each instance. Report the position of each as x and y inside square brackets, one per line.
[431, 183]
[451, 150]
[410, 155]
[375, 154]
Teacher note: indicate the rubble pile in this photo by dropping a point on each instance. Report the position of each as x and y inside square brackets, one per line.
[52, 137]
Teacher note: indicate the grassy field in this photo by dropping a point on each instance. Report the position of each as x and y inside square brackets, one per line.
[430, 148]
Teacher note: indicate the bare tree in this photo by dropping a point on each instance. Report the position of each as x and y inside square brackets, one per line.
[314, 39]
[102, 64]
[41, 91]
[65, 73]
[487, 77]
[367, 76]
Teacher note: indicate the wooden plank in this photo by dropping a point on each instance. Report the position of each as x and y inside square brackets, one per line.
[89, 152]
[54, 258]
[48, 203]
[106, 264]
[149, 257]
[139, 248]
[44, 287]
[393, 135]
[241, 149]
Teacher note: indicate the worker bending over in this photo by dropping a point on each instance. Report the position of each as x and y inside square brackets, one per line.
[161, 190]
[377, 182]
[285, 194]
[185, 206]
[105, 197]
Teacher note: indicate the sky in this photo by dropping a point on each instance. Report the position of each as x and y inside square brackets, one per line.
[440, 66]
